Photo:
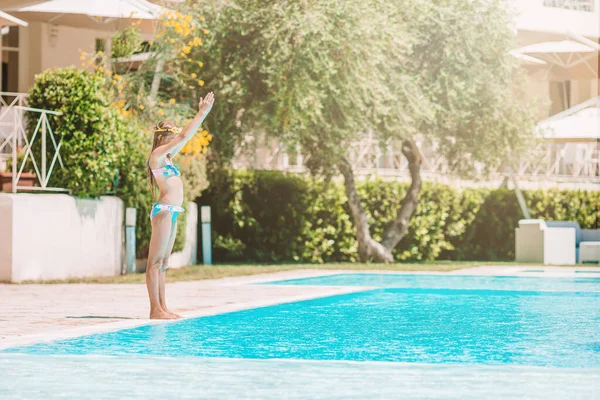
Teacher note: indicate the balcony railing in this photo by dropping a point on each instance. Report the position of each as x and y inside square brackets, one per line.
[565, 164]
[577, 5]
[14, 118]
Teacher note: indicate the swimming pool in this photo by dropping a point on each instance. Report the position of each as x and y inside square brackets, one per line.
[411, 334]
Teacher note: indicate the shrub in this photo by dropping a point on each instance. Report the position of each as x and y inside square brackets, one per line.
[265, 216]
[125, 42]
[88, 127]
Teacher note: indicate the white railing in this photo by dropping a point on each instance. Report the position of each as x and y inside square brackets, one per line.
[577, 5]
[8, 101]
[43, 132]
[546, 162]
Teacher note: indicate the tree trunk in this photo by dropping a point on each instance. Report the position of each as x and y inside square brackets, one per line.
[398, 229]
[368, 249]
[156, 79]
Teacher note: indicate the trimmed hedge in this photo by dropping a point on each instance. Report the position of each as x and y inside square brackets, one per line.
[267, 216]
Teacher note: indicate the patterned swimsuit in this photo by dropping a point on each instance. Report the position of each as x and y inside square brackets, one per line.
[167, 171]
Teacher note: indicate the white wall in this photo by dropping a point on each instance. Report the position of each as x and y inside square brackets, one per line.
[532, 15]
[56, 236]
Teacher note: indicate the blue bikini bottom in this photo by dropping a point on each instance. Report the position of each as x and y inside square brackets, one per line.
[158, 207]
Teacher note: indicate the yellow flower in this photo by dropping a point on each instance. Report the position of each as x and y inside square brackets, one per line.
[205, 133]
[204, 150]
[202, 19]
[200, 63]
[172, 101]
[160, 112]
[209, 137]
[188, 18]
[99, 52]
[141, 107]
[206, 31]
[194, 75]
[101, 69]
[82, 58]
[172, 41]
[187, 49]
[201, 82]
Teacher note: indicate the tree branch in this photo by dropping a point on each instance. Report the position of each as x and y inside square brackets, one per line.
[398, 229]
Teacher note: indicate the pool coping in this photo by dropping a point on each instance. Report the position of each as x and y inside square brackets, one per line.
[517, 271]
[134, 323]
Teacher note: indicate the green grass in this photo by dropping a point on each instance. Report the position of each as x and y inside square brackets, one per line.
[201, 272]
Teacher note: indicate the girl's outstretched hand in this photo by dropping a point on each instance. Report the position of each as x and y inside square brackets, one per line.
[206, 103]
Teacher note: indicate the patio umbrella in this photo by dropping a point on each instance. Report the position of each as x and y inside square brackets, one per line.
[527, 60]
[567, 59]
[9, 20]
[96, 14]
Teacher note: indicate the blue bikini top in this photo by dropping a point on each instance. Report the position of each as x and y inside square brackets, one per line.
[168, 170]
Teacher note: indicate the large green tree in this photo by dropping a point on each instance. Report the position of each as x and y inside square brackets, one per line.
[319, 73]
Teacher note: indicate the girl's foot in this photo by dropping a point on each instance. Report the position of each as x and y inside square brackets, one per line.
[175, 316]
[161, 314]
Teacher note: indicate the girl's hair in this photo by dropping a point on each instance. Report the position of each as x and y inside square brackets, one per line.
[164, 131]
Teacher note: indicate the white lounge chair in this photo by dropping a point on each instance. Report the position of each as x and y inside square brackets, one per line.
[547, 242]
[537, 242]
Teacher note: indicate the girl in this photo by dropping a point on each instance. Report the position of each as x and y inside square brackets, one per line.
[168, 141]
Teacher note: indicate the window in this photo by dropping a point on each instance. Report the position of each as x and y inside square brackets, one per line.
[9, 55]
[577, 5]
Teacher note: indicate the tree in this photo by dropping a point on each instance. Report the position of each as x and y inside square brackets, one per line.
[318, 73]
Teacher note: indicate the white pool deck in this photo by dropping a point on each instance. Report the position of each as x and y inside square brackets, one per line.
[36, 313]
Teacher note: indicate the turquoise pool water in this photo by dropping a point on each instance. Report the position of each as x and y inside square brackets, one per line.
[420, 325]
[460, 282]
[413, 336]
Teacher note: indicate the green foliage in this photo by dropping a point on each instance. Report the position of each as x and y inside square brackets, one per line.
[125, 42]
[263, 216]
[90, 130]
[133, 186]
[20, 157]
[316, 74]
[461, 55]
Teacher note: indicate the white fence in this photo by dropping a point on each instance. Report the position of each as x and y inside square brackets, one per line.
[14, 116]
[573, 165]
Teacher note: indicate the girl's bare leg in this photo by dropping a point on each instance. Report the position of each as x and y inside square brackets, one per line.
[161, 231]
[162, 272]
